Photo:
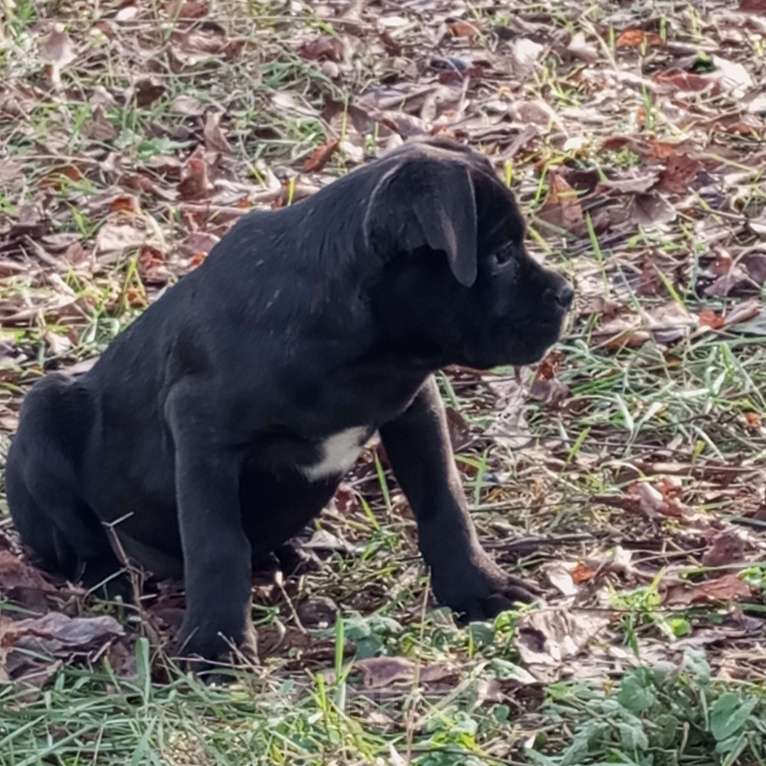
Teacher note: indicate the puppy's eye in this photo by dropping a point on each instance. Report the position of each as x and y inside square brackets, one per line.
[503, 255]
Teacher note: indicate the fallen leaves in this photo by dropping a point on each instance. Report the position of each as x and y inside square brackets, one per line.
[550, 637]
[561, 207]
[727, 589]
[636, 38]
[195, 180]
[113, 237]
[58, 49]
[679, 173]
[22, 583]
[34, 649]
[651, 210]
[321, 156]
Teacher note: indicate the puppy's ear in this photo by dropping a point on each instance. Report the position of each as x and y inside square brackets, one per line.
[428, 202]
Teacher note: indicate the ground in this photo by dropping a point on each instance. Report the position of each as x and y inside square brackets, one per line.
[624, 474]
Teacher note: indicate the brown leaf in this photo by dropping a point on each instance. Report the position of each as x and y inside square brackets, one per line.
[57, 179]
[655, 501]
[322, 48]
[634, 181]
[550, 392]
[621, 332]
[55, 634]
[708, 318]
[148, 90]
[187, 105]
[581, 49]
[58, 49]
[727, 588]
[321, 156]
[195, 183]
[753, 6]
[125, 203]
[734, 278]
[742, 312]
[755, 262]
[30, 221]
[462, 29]
[215, 140]
[582, 573]
[379, 672]
[553, 636]
[651, 209]
[190, 9]
[113, 237]
[198, 243]
[687, 81]
[10, 170]
[561, 207]
[22, 583]
[679, 174]
[635, 38]
[727, 547]
[99, 127]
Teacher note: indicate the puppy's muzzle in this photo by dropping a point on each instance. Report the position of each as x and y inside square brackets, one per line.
[561, 296]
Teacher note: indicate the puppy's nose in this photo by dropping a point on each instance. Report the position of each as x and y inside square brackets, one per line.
[563, 295]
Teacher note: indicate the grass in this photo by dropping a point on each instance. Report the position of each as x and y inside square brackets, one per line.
[553, 483]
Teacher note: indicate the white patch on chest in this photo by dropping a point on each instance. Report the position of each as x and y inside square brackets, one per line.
[338, 453]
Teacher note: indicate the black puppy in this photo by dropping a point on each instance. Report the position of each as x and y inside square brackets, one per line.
[221, 421]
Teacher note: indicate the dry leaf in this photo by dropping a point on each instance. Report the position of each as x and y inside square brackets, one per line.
[148, 90]
[742, 312]
[464, 29]
[58, 49]
[187, 105]
[635, 38]
[581, 49]
[195, 183]
[552, 636]
[634, 181]
[524, 54]
[322, 48]
[686, 81]
[708, 318]
[679, 174]
[215, 140]
[732, 76]
[727, 588]
[22, 583]
[651, 209]
[753, 6]
[113, 237]
[99, 127]
[320, 156]
[561, 207]
[727, 547]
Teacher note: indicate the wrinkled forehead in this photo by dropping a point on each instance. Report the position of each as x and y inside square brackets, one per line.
[500, 218]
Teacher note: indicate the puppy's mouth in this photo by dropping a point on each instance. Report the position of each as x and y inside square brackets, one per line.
[532, 340]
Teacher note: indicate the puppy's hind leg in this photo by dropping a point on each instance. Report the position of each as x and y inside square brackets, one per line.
[57, 528]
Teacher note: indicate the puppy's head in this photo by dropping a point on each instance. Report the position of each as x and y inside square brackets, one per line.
[458, 285]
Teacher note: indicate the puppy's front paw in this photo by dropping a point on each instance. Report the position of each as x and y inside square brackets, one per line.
[480, 590]
[206, 646]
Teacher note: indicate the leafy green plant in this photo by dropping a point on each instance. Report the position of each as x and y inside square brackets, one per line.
[658, 716]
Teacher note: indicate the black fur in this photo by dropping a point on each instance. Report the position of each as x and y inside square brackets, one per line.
[191, 430]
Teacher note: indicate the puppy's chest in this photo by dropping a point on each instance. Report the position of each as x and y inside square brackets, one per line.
[335, 454]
